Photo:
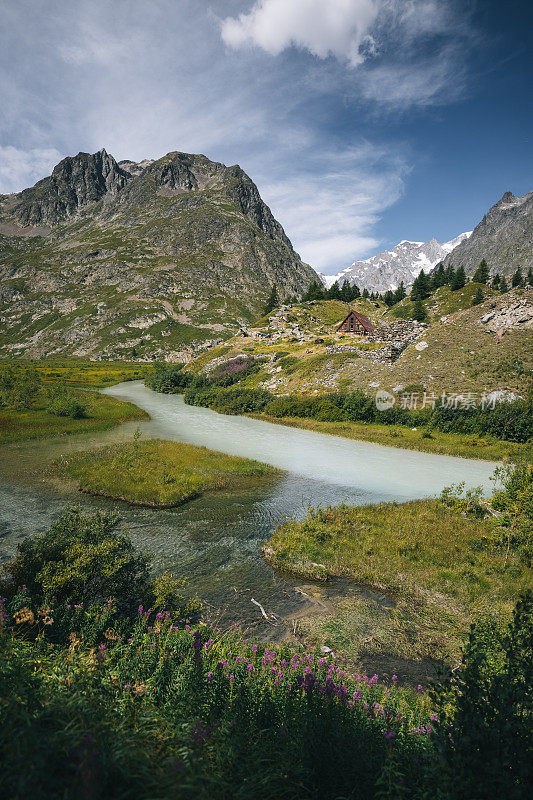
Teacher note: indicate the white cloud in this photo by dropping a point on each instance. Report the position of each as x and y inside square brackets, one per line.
[22, 168]
[330, 215]
[341, 28]
[400, 86]
[100, 74]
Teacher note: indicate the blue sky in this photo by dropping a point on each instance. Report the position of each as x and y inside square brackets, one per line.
[363, 122]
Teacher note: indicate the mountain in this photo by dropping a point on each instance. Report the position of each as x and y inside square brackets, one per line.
[504, 237]
[388, 269]
[149, 259]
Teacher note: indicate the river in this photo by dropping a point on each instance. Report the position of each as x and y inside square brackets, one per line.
[215, 540]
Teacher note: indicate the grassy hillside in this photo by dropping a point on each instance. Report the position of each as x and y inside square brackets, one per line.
[461, 354]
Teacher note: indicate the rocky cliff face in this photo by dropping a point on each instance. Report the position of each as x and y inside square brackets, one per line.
[146, 260]
[74, 183]
[388, 269]
[504, 237]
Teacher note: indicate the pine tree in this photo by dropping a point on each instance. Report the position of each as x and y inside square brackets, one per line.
[315, 292]
[356, 292]
[503, 285]
[478, 297]
[272, 300]
[459, 279]
[450, 274]
[421, 287]
[346, 291]
[388, 298]
[517, 279]
[481, 275]
[438, 276]
[334, 292]
[496, 281]
[400, 293]
[529, 278]
[366, 294]
[419, 311]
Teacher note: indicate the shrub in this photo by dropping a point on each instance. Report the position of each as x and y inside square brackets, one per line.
[19, 386]
[485, 735]
[65, 404]
[83, 559]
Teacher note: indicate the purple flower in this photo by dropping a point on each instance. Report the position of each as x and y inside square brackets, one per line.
[419, 689]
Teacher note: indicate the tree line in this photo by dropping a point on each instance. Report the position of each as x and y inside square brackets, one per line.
[423, 286]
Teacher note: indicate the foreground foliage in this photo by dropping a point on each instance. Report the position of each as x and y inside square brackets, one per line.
[113, 700]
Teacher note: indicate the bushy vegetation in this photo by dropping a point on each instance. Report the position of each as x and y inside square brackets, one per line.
[19, 386]
[105, 697]
[508, 421]
[63, 402]
[38, 400]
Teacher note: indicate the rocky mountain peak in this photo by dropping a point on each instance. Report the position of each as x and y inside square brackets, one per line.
[504, 237]
[75, 182]
[388, 269]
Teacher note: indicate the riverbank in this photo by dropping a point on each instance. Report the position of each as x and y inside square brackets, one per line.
[160, 474]
[35, 422]
[436, 568]
[439, 443]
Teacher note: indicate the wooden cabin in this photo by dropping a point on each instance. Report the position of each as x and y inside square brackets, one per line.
[356, 323]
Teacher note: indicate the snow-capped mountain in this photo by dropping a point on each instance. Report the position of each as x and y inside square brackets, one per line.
[388, 269]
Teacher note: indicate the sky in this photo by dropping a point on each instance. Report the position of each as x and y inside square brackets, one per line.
[363, 122]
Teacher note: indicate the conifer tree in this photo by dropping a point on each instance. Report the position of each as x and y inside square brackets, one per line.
[388, 298]
[400, 293]
[419, 311]
[334, 292]
[366, 294]
[356, 292]
[459, 279]
[315, 292]
[496, 281]
[481, 275]
[529, 279]
[346, 291]
[421, 287]
[478, 297]
[438, 276]
[272, 301]
[517, 279]
[450, 274]
[503, 285]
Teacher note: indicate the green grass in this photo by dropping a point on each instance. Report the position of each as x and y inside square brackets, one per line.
[36, 423]
[82, 372]
[451, 444]
[160, 473]
[438, 567]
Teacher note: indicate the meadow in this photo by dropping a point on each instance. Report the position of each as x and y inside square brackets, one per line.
[160, 473]
[439, 562]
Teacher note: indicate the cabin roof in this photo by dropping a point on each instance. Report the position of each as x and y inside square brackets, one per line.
[364, 321]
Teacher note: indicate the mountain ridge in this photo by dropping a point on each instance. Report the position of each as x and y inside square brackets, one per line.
[387, 269]
[153, 259]
[504, 238]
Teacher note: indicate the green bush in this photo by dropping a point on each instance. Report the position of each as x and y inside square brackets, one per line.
[67, 405]
[83, 559]
[485, 735]
[19, 386]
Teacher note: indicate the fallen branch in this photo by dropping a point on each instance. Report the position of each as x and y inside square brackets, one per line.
[261, 609]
